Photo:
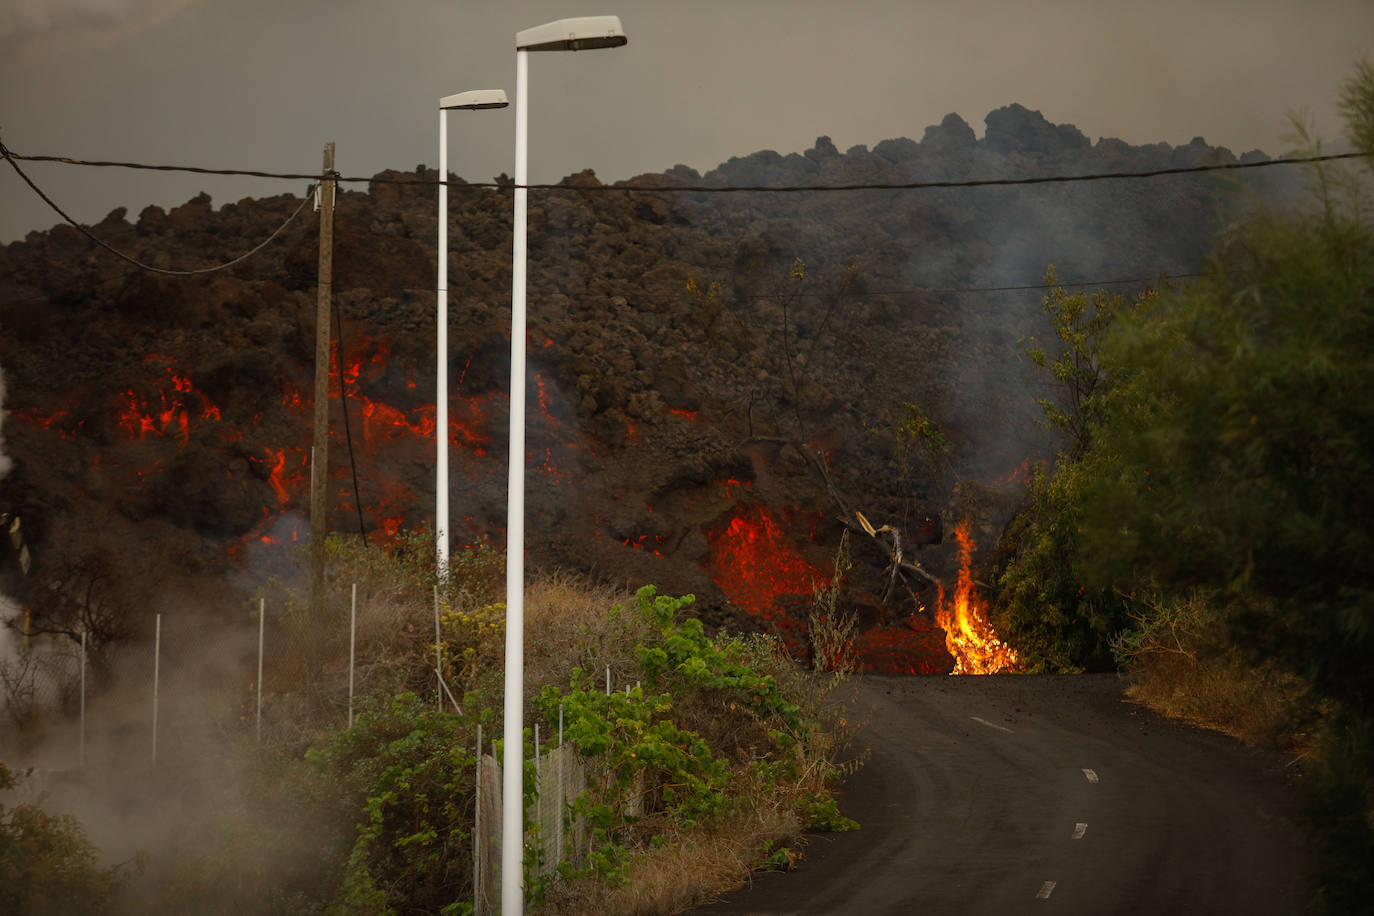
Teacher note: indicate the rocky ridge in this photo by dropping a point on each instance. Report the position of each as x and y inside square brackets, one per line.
[686, 389]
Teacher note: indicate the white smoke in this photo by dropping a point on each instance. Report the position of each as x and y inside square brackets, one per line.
[87, 24]
[5, 463]
[8, 608]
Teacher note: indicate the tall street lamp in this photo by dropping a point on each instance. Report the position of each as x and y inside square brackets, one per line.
[472, 100]
[583, 34]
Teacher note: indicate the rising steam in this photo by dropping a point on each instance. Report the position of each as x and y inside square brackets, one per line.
[5, 462]
[7, 606]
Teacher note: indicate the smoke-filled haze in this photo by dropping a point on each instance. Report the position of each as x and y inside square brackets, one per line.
[263, 85]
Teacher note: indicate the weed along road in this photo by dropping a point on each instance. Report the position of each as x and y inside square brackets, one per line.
[1027, 794]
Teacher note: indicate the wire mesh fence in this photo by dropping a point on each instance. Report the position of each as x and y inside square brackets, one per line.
[273, 675]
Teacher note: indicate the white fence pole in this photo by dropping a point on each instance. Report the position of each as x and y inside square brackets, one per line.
[438, 657]
[157, 658]
[478, 841]
[539, 794]
[558, 825]
[352, 641]
[83, 698]
[262, 617]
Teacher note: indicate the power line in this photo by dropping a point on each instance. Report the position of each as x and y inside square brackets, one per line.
[721, 189]
[916, 291]
[10, 157]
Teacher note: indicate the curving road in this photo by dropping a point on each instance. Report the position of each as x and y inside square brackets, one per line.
[1028, 794]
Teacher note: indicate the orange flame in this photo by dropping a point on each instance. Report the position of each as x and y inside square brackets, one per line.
[968, 635]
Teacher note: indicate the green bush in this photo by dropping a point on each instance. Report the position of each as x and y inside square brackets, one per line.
[48, 865]
[409, 770]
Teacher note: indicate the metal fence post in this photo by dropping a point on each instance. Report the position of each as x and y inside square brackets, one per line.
[83, 698]
[262, 617]
[438, 657]
[352, 640]
[157, 653]
[477, 838]
[558, 829]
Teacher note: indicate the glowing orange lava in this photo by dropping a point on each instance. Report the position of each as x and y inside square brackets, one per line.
[968, 635]
[171, 414]
[759, 569]
[902, 648]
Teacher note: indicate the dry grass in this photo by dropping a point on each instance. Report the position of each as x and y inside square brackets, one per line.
[1182, 666]
[1221, 693]
[692, 870]
[571, 622]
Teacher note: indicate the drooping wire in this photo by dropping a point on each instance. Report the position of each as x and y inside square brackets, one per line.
[348, 432]
[10, 158]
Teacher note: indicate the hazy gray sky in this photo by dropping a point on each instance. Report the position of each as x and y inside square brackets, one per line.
[264, 83]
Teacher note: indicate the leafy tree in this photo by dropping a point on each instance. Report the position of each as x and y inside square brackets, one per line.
[1042, 606]
[1243, 462]
[920, 437]
[1080, 324]
[1240, 467]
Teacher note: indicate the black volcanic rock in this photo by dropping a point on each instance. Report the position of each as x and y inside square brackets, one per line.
[684, 384]
[951, 137]
[822, 150]
[1016, 129]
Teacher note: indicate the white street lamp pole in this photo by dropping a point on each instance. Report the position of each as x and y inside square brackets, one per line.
[586, 33]
[472, 100]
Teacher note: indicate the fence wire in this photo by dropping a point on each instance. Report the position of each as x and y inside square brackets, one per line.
[192, 691]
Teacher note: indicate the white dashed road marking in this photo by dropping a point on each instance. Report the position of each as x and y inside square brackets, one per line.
[1079, 830]
[1000, 728]
[1091, 775]
[1045, 890]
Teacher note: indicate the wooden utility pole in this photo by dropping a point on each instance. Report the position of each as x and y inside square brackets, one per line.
[319, 454]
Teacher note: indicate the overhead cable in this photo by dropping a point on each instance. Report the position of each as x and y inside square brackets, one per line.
[866, 294]
[10, 157]
[721, 188]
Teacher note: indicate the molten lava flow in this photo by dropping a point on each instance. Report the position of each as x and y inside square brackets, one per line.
[759, 569]
[171, 414]
[968, 635]
[904, 648]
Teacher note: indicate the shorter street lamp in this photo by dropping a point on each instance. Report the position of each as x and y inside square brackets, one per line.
[472, 100]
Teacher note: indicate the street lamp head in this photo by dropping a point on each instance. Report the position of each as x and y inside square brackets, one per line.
[475, 99]
[586, 33]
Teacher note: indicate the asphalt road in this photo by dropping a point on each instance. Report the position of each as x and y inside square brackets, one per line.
[1027, 794]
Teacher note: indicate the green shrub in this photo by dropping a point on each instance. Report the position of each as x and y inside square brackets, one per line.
[410, 771]
[48, 865]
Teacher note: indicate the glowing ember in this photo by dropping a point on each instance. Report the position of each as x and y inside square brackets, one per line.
[1020, 474]
[968, 635]
[643, 542]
